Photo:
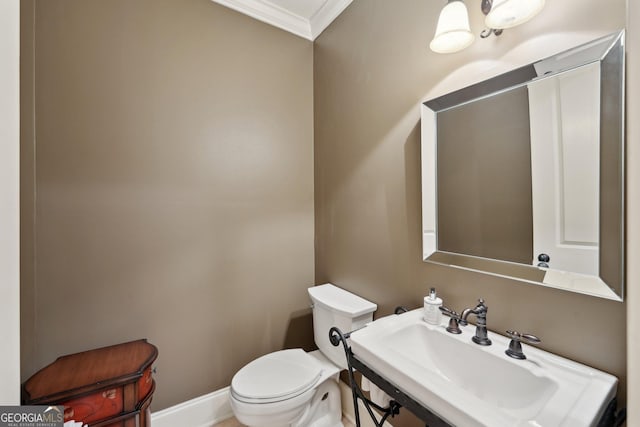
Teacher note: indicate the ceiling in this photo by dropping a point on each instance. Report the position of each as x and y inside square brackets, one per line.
[304, 18]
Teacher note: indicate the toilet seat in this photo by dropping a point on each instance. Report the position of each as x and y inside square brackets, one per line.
[276, 377]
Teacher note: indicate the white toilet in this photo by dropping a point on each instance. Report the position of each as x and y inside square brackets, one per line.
[298, 389]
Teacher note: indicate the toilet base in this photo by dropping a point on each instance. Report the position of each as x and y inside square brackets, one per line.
[324, 409]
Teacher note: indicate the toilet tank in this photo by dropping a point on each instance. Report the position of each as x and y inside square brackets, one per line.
[333, 306]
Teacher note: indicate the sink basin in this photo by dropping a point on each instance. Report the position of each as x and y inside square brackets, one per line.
[470, 385]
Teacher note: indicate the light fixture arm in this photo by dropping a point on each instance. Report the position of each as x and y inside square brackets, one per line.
[485, 7]
[488, 31]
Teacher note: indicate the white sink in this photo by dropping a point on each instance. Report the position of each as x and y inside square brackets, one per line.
[470, 385]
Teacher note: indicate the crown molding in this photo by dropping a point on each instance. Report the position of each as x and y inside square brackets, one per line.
[329, 11]
[302, 26]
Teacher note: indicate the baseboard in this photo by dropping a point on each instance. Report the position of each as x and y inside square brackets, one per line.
[212, 408]
[348, 411]
[203, 411]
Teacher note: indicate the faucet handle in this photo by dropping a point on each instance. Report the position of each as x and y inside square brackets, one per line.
[453, 327]
[448, 312]
[515, 346]
[528, 338]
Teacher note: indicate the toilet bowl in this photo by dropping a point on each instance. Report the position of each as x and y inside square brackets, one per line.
[295, 388]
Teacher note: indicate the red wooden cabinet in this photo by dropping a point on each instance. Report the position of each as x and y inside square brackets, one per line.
[106, 387]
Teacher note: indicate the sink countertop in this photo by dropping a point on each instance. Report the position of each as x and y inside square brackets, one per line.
[471, 385]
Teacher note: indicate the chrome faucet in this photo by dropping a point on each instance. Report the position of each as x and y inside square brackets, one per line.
[480, 312]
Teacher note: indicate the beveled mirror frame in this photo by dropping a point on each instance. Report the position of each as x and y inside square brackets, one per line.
[609, 52]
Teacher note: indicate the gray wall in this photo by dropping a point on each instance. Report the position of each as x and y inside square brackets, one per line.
[633, 211]
[173, 183]
[372, 69]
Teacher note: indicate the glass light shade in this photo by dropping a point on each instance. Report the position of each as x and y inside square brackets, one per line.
[509, 13]
[453, 32]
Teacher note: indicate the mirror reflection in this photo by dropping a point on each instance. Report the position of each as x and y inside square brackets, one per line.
[523, 173]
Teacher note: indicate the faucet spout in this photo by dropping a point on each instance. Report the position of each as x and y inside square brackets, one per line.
[465, 313]
[480, 311]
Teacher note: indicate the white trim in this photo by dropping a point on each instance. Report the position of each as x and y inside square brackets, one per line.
[326, 15]
[632, 292]
[306, 27]
[10, 202]
[203, 411]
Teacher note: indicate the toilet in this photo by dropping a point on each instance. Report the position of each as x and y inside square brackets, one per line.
[295, 388]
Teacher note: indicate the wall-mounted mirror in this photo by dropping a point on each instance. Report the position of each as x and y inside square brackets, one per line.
[523, 174]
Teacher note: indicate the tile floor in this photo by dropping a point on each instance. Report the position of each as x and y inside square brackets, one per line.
[232, 422]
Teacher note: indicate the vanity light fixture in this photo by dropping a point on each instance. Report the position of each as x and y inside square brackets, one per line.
[453, 31]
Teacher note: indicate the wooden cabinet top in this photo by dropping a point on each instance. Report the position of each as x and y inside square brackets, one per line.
[81, 373]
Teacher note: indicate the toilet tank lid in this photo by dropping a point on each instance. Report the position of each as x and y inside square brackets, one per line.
[341, 301]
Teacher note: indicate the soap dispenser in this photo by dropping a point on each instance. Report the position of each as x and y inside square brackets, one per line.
[432, 304]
